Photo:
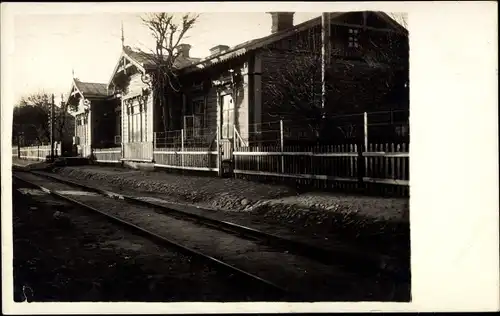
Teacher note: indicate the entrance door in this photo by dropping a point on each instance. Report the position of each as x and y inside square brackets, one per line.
[227, 130]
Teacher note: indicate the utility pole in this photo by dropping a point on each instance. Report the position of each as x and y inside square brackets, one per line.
[18, 144]
[52, 128]
[325, 56]
[123, 37]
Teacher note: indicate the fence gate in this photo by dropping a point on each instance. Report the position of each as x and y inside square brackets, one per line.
[227, 149]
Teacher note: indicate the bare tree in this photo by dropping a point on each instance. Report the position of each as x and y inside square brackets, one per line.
[31, 119]
[168, 34]
[296, 83]
[293, 82]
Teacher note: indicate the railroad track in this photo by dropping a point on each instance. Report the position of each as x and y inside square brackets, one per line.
[275, 289]
[222, 230]
[362, 262]
[104, 250]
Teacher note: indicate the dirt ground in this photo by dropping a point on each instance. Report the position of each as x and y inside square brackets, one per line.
[65, 254]
[238, 194]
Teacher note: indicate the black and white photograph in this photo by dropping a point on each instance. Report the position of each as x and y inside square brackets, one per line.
[171, 156]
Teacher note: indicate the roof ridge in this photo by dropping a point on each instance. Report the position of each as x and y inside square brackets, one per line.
[90, 82]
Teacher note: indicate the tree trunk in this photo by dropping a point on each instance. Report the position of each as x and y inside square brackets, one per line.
[164, 115]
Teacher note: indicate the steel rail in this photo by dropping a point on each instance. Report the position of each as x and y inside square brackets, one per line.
[163, 240]
[361, 262]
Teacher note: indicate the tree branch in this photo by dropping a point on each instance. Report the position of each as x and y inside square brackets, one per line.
[168, 35]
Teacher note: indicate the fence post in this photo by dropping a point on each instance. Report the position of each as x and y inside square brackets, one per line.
[234, 137]
[282, 147]
[362, 147]
[365, 142]
[154, 147]
[365, 124]
[219, 152]
[182, 147]
[361, 164]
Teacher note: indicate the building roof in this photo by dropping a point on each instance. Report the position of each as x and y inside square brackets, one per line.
[91, 89]
[243, 48]
[87, 90]
[147, 59]
[143, 60]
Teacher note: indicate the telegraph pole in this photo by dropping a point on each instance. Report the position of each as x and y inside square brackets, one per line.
[325, 56]
[52, 129]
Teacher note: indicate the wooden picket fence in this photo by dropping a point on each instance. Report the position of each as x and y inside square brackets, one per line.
[184, 151]
[108, 155]
[189, 158]
[139, 151]
[38, 153]
[334, 166]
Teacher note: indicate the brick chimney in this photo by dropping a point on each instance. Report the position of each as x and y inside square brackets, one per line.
[218, 49]
[184, 49]
[281, 21]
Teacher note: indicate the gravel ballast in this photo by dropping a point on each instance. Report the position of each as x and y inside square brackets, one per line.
[377, 223]
[237, 194]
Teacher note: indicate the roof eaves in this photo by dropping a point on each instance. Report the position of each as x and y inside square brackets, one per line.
[395, 24]
[124, 53]
[73, 85]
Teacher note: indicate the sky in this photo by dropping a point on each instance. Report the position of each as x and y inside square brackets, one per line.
[55, 45]
[47, 48]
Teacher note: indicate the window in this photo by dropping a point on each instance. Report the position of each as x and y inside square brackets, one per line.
[227, 117]
[353, 38]
[199, 107]
[192, 125]
[136, 122]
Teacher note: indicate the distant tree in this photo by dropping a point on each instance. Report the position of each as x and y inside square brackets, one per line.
[168, 34]
[31, 120]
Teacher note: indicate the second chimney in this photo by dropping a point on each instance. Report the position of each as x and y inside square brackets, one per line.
[218, 49]
[184, 49]
[281, 21]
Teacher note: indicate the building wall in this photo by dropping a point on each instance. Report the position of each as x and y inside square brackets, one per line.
[212, 95]
[82, 129]
[103, 123]
[137, 119]
[242, 118]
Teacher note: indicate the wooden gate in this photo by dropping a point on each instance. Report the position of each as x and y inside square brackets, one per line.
[227, 149]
